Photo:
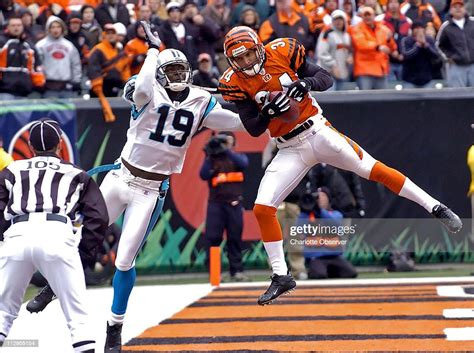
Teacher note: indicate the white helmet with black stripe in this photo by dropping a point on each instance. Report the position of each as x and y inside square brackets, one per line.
[173, 70]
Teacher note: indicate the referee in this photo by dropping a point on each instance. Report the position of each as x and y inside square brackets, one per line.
[40, 197]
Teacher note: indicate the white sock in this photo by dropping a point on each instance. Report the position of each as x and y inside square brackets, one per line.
[116, 319]
[276, 255]
[413, 192]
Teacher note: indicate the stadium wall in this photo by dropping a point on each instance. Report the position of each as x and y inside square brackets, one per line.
[424, 133]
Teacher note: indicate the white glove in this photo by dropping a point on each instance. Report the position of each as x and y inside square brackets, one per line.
[152, 38]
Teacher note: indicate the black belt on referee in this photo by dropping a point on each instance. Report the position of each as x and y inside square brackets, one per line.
[295, 132]
[49, 217]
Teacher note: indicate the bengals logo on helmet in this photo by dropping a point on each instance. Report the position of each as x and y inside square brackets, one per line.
[19, 148]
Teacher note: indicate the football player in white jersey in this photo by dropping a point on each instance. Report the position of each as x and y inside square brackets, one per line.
[166, 113]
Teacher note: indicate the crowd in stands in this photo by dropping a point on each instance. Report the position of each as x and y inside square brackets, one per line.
[64, 47]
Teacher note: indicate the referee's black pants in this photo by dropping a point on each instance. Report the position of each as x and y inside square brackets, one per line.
[224, 216]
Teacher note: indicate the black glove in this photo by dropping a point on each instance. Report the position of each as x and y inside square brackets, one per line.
[279, 104]
[152, 38]
[298, 89]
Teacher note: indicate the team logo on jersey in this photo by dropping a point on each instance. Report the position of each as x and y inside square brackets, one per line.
[19, 148]
[265, 77]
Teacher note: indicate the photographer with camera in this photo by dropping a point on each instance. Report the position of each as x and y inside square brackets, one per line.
[323, 250]
[223, 169]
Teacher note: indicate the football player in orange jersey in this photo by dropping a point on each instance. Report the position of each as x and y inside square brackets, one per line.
[303, 140]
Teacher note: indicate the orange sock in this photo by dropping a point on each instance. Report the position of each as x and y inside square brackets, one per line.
[389, 177]
[268, 223]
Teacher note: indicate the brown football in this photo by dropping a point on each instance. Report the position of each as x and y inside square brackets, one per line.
[291, 114]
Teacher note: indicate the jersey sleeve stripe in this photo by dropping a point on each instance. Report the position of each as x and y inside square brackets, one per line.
[136, 113]
[212, 103]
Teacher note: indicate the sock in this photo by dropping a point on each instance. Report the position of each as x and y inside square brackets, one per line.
[123, 284]
[401, 185]
[276, 255]
[413, 192]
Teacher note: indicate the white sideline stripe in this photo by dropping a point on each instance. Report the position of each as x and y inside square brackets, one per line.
[459, 334]
[458, 313]
[148, 306]
[338, 282]
[452, 291]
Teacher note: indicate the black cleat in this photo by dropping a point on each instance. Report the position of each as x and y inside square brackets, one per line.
[41, 300]
[280, 285]
[450, 219]
[113, 342]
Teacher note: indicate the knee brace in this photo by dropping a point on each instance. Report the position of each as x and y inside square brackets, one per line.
[268, 223]
[389, 177]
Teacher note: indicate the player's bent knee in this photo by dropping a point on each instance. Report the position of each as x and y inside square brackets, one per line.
[389, 177]
[268, 223]
[122, 266]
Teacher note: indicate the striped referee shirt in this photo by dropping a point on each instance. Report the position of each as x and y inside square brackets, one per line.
[46, 183]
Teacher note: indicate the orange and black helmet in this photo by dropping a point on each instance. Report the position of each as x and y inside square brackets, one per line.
[238, 41]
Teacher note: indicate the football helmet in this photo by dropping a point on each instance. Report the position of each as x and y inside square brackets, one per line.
[173, 70]
[239, 41]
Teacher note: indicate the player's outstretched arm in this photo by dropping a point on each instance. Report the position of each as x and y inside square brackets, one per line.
[223, 119]
[146, 77]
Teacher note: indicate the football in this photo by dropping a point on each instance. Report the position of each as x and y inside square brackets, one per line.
[291, 114]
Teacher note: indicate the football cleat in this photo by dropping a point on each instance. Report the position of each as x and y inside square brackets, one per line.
[41, 300]
[450, 219]
[280, 285]
[113, 342]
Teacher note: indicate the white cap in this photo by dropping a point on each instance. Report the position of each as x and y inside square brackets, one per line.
[120, 29]
[338, 14]
[173, 4]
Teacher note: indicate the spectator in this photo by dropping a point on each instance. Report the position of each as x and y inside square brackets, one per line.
[223, 169]
[322, 17]
[456, 43]
[349, 7]
[346, 196]
[334, 50]
[5, 158]
[218, 13]
[307, 8]
[287, 23]
[375, 5]
[204, 75]
[112, 11]
[121, 32]
[7, 10]
[90, 25]
[108, 70]
[158, 10]
[33, 31]
[20, 70]
[136, 49]
[144, 14]
[177, 35]
[75, 34]
[420, 10]
[50, 9]
[325, 261]
[61, 61]
[372, 43]
[419, 51]
[249, 17]
[201, 28]
[261, 6]
[399, 25]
